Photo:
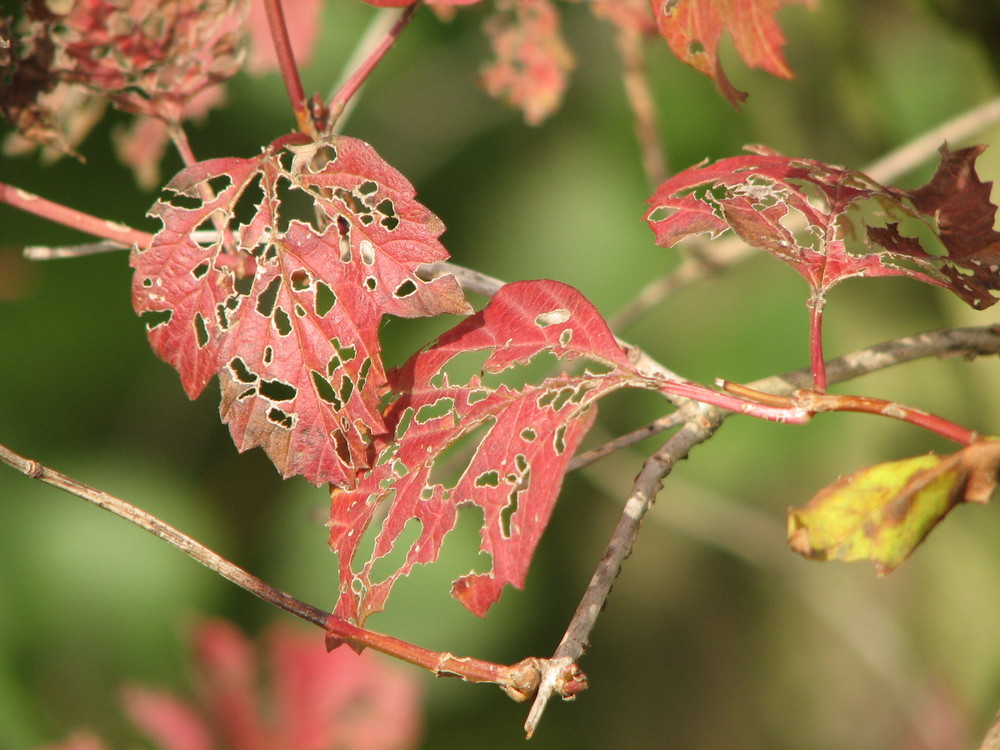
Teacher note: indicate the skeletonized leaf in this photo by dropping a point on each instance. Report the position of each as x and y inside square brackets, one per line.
[693, 29]
[850, 224]
[884, 512]
[286, 310]
[150, 56]
[516, 468]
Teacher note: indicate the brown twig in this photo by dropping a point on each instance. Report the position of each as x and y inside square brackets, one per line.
[700, 422]
[519, 681]
[641, 100]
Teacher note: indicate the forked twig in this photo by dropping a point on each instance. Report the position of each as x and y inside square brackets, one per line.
[519, 681]
[700, 422]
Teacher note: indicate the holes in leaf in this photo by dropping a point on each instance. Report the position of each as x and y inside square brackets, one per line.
[559, 440]
[282, 322]
[372, 283]
[243, 285]
[278, 417]
[344, 354]
[566, 337]
[240, 371]
[368, 187]
[147, 282]
[507, 513]
[325, 299]
[200, 270]
[660, 213]
[402, 548]
[367, 251]
[268, 298]
[268, 355]
[189, 200]
[326, 391]
[436, 410]
[405, 289]
[366, 367]
[344, 230]
[324, 155]
[460, 369]
[352, 202]
[404, 423]
[276, 390]
[553, 317]
[156, 318]
[528, 434]
[488, 479]
[200, 330]
[300, 280]
[477, 395]
[341, 446]
[300, 311]
[389, 219]
[223, 311]
[346, 389]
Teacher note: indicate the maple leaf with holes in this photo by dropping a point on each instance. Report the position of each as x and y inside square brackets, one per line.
[532, 61]
[853, 226]
[522, 439]
[150, 56]
[286, 310]
[693, 29]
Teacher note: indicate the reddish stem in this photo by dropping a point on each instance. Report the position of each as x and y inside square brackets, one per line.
[818, 402]
[811, 402]
[816, 360]
[358, 77]
[286, 63]
[70, 217]
[773, 411]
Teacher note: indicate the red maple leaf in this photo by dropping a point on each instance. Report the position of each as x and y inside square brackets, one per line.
[693, 29]
[286, 311]
[851, 223]
[516, 469]
[532, 61]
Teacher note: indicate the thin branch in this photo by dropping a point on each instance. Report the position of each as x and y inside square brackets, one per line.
[289, 69]
[380, 26]
[640, 98]
[700, 422]
[353, 83]
[70, 217]
[911, 155]
[519, 681]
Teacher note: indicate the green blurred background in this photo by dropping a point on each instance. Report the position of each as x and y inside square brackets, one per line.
[715, 635]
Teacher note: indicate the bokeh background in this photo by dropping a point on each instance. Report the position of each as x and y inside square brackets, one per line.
[715, 635]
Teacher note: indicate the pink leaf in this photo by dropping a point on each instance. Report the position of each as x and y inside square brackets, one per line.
[286, 310]
[532, 60]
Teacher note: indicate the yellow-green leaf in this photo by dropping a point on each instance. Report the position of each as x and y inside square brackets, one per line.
[883, 512]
